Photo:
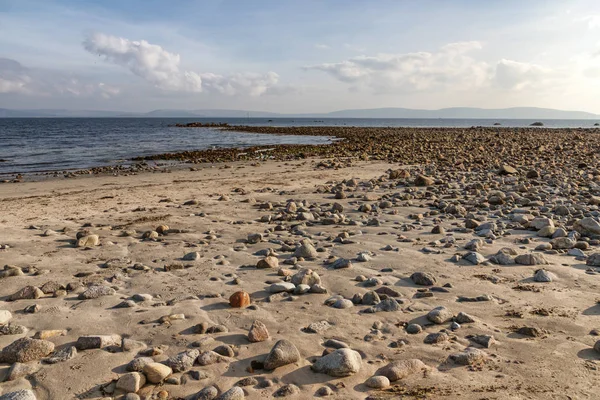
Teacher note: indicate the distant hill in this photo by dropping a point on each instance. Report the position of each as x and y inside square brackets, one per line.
[446, 113]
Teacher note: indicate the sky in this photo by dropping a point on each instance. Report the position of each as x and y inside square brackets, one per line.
[293, 56]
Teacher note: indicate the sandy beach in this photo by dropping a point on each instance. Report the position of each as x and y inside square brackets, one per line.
[106, 270]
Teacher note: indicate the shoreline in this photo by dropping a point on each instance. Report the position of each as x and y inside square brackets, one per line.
[366, 143]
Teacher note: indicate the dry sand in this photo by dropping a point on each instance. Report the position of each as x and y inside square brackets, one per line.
[559, 364]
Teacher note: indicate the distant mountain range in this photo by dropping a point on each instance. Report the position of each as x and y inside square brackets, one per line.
[446, 113]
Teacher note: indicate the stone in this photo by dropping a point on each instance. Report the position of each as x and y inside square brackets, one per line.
[439, 315]
[563, 243]
[593, 260]
[539, 223]
[287, 390]
[19, 370]
[484, 340]
[94, 292]
[268, 262]
[209, 358]
[157, 372]
[97, 341]
[225, 350]
[340, 363]
[258, 332]
[470, 356]
[436, 337]
[47, 334]
[138, 364]
[25, 394]
[306, 276]
[401, 369]
[183, 361]
[5, 316]
[317, 327]
[474, 258]
[131, 382]
[507, 170]
[239, 299]
[27, 293]
[12, 329]
[193, 256]
[306, 250]
[88, 241]
[463, 318]
[587, 226]
[208, 393]
[413, 329]
[283, 353]
[341, 263]
[25, 349]
[235, 393]
[282, 287]
[378, 382]
[531, 259]
[423, 279]
[254, 238]
[62, 355]
[541, 275]
[422, 180]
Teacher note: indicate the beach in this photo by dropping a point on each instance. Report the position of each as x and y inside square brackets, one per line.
[394, 263]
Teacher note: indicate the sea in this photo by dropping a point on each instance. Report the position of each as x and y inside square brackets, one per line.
[40, 145]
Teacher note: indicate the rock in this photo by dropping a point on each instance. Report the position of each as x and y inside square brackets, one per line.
[254, 238]
[306, 277]
[546, 231]
[208, 393]
[387, 305]
[401, 369]
[484, 340]
[97, 341]
[239, 299]
[562, 243]
[268, 262]
[463, 318]
[413, 329]
[317, 327]
[258, 332]
[183, 361]
[157, 372]
[283, 353]
[93, 292]
[47, 334]
[593, 260]
[12, 329]
[587, 226]
[531, 259]
[306, 250]
[436, 337]
[341, 263]
[378, 382]
[324, 391]
[541, 275]
[25, 349]
[19, 370]
[422, 180]
[470, 356]
[62, 355]
[138, 364]
[539, 223]
[131, 382]
[341, 362]
[5, 316]
[474, 258]
[193, 256]
[19, 395]
[507, 170]
[282, 287]
[423, 278]
[27, 293]
[597, 346]
[235, 393]
[88, 241]
[439, 315]
[209, 358]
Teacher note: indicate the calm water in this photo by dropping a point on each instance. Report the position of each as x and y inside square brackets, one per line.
[48, 144]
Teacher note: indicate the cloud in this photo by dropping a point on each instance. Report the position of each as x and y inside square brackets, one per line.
[322, 46]
[516, 75]
[18, 79]
[593, 21]
[419, 71]
[162, 68]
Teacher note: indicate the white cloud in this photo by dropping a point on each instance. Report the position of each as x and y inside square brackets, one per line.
[18, 79]
[162, 68]
[450, 66]
[321, 46]
[516, 75]
[593, 21]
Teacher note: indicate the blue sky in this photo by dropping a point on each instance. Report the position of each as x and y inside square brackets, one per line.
[292, 56]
